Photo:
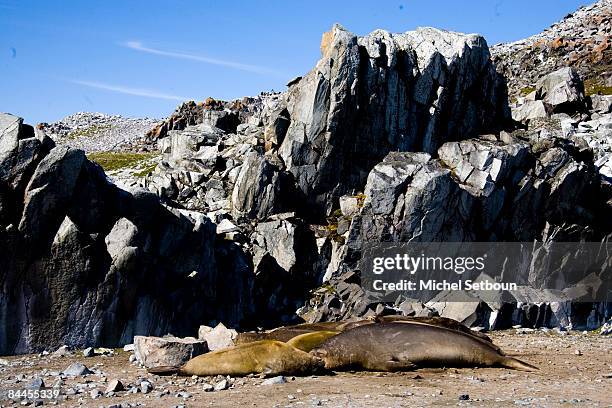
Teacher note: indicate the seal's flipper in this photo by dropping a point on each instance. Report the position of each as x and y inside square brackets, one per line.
[400, 365]
[516, 364]
[164, 370]
[391, 364]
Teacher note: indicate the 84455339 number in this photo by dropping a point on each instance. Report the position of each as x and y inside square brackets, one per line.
[24, 393]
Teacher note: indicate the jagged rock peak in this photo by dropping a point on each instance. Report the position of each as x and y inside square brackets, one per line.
[382, 92]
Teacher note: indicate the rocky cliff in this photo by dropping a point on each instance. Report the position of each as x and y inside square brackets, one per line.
[261, 207]
[85, 262]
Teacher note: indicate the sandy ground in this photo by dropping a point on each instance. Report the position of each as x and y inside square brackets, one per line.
[575, 370]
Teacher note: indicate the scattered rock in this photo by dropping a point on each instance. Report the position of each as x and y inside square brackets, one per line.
[95, 394]
[183, 394]
[167, 351]
[530, 110]
[76, 369]
[222, 385]
[274, 380]
[114, 386]
[36, 384]
[218, 338]
[145, 387]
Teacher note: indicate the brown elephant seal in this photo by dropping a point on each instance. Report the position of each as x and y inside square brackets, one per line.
[308, 341]
[436, 321]
[267, 357]
[405, 346]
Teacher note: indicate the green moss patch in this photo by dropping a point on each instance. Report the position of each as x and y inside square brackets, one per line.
[111, 161]
[527, 90]
[594, 87]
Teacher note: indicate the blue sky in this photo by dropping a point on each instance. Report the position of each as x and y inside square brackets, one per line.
[141, 58]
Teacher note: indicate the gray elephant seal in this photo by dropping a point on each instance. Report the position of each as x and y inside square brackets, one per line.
[267, 357]
[435, 321]
[405, 346]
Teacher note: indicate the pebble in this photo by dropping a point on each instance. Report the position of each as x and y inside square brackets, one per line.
[36, 384]
[274, 380]
[208, 387]
[63, 351]
[145, 387]
[464, 397]
[76, 369]
[95, 394]
[222, 385]
[89, 352]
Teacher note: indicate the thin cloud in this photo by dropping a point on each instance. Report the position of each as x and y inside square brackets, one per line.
[138, 46]
[147, 93]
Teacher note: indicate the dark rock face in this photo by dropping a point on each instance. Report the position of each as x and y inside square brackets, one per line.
[87, 263]
[383, 92]
[508, 188]
[480, 190]
[258, 188]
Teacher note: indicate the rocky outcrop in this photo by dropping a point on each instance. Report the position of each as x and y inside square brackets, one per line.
[94, 132]
[225, 115]
[383, 92]
[560, 92]
[86, 263]
[513, 187]
[581, 40]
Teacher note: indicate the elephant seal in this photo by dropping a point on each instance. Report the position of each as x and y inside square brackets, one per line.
[435, 321]
[308, 341]
[261, 357]
[406, 346]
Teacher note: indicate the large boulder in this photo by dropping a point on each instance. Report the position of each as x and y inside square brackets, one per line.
[529, 111]
[258, 189]
[167, 351]
[562, 90]
[217, 338]
[383, 92]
